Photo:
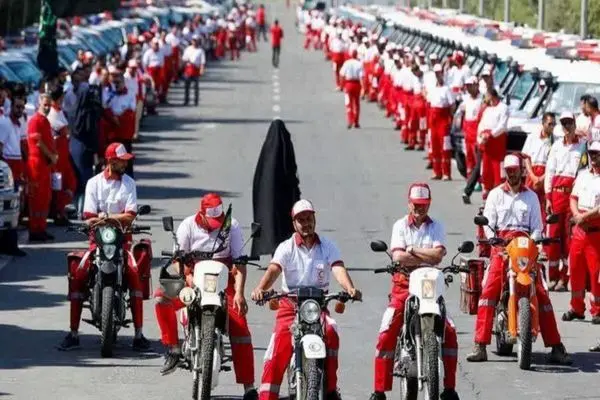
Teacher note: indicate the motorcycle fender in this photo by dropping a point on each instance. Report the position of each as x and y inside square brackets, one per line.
[313, 346]
[211, 267]
[524, 279]
[429, 306]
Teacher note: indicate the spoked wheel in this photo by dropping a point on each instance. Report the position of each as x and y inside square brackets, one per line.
[525, 338]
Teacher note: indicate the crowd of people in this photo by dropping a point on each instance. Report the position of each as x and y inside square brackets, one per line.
[78, 114]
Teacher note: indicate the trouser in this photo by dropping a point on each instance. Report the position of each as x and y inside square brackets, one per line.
[275, 56]
[233, 48]
[189, 80]
[338, 61]
[82, 160]
[389, 331]
[352, 101]
[367, 76]
[562, 229]
[239, 335]
[417, 124]
[470, 137]
[441, 148]
[139, 112]
[309, 38]
[584, 259]
[158, 76]
[39, 194]
[280, 350]
[491, 162]
[473, 177]
[262, 30]
[490, 295]
[79, 269]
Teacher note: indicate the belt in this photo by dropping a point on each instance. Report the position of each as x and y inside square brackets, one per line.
[562, 189]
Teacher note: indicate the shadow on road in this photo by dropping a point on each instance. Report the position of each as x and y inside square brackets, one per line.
[26, 348]
[152, 192]
[23, 297]
[147, 175]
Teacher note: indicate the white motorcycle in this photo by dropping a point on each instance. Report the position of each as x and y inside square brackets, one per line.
[418, 356]
[204, 319]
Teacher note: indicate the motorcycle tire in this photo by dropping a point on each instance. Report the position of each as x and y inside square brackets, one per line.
[207, 353]
[525, 338]
[313, 371]
[431, 362]
[503, 348]
[107, 322]
[409, 388]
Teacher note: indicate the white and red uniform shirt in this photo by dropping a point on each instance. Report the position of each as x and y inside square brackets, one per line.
[509, 212]
[440, 97]
[371, 53]
[352, 70]
[336, 45]
[134, 84]
[494, 119]
[57, 120]
[119, 103]
[111, 196]
[537, 149]
[471, 106]
[196, 57]
[11, 136]
[193, 237]
[564, 160]
[587, 190]
[303, 267]
[166, 48]
[406, 234]
[153, 59]
[95, 77]
[583, 124]
[594, 129]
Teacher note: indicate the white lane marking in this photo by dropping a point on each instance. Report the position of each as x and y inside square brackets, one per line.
[276, 108]
[275, 77]
[275, 84]
[276, 97]
[275, 90]
[208, 126]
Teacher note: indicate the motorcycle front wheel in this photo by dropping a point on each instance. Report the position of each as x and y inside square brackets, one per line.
[431, 354]
[525, 338]
[107, 322]
[313, 388]
[207, 353]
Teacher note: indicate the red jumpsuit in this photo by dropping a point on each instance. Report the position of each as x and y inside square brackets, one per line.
[221, 39]
[584, 252]
[351, 73]
[536, 149]
[439, 122]
[39, 172]
[493, 124]
[239, 334]
[562, 167]
[64, 196]
[232, 41]
[337, 57]
[375, 79]
[473, 110]
[501, 197]
[417, 121]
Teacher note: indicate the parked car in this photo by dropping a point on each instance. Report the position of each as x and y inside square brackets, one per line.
[9, 199]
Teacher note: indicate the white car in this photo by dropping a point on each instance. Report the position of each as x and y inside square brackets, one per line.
[9, 199]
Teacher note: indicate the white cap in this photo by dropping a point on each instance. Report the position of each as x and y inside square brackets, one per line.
[417, 49]
[433, 56]
[407, 49]
[141, 38]
[112, 69]
[487, 70]
[364, 39]
[512, 161]
[393, 46]
[471, 81]
[566, 115]
[437, 68]
[396, 57]
[388, 47]
[132, 63]
[302, 206]
[195, 37]
[421, 53]
[382, 40]
[594, 146]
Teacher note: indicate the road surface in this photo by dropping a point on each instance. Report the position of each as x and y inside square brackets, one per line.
[358, 182]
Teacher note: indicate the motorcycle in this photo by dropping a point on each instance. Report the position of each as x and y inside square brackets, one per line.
[306, 372]
[204, 318]
[108, 294]
[418, 355]
[516, 317]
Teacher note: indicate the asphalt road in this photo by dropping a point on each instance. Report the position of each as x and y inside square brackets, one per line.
[358, 181]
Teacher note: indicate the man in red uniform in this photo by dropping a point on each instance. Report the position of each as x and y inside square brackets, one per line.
[584, 252]
[471, 106]
[199, 233]
[319, 258]
[261, 20]
[153, 62]
[110, 194]
[513, 211]
[564, 162]
[41, 158]
[276, 36]
[351, 74]
[417, 241]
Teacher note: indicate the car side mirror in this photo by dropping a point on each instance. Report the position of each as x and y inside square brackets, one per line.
[378, 246]
[480, 220]
[255, 229]
[167, 224]
[144, 210]
[466, 247]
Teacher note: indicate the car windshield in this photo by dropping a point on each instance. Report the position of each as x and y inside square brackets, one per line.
[520, 89]
[566, 97]
[500, 72]
[529, 107]
[26, 72]
[477, 65]
[387, 31]
[7, 74]
[67, 53]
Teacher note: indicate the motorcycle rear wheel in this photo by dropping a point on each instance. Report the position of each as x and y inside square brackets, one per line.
[525, 338]
[107, 322]
[503, 348]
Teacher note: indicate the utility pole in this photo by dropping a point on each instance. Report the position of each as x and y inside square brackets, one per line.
[461, 6]
[506, 10]
[444, 3]
[541, 14]
[481, 8]
[583, 30]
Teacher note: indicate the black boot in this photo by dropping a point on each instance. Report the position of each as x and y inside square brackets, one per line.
[172, 361]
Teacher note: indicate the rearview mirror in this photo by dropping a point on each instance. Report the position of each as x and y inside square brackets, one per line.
[168, 224]
[552, 218]
[466, 247]
[378, 246]
[480, 220]
[144, 210]
[255, 229]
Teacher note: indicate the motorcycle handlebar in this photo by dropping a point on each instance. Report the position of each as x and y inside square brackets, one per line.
[380, 270]
[142, 227]
[340, 296]
[165, 253]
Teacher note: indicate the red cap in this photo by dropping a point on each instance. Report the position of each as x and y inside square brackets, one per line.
[211, 206]
[117, 150]
[419, 193]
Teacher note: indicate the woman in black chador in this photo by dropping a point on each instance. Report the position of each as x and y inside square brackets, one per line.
[275, 189]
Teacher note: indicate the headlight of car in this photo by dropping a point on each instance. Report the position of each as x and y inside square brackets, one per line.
[428, 288]
[210, 283]
[10, 179]
[310, 311]
[109, 251]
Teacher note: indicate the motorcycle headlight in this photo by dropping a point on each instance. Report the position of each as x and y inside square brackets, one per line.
[108, 235]
[310, 311]
[428, 288]
[187, 295]
[210, 283]
[109, 251]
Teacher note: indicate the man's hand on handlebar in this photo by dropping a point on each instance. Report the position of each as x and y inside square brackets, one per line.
[356, 294]
[258, 294]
